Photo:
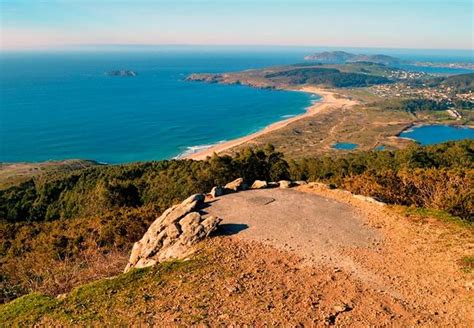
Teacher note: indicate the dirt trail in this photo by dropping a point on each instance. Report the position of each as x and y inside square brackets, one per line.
[413, 262]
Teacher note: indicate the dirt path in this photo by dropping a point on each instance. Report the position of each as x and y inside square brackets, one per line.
[413, 262]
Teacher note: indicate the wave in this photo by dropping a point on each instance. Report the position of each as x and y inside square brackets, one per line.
[196, 149]
[288, 116]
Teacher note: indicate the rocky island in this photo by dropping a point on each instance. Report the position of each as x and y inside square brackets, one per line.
[122, 73]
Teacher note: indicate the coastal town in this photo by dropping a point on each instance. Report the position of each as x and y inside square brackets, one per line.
[418, 85]
[405, 90]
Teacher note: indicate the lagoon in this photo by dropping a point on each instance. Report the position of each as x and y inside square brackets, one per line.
[434, 134]
[344, 146]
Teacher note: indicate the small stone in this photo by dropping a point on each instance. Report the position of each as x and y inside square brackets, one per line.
[338, 308]
[284, 184]
[342, 308]
[300, 183]
[61, 296]
[232, 288]
[236, 185]
[259, 184]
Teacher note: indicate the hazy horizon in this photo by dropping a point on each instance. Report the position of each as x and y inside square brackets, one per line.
[403, 24]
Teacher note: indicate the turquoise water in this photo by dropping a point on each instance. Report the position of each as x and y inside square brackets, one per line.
[62, 105]
[344, 146]
[433, 134]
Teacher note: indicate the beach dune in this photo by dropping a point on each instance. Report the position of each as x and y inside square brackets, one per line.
[328, 102]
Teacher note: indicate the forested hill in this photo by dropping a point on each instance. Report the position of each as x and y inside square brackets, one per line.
[462, 83]
[288, 76]
[342, 57]
[326, 76]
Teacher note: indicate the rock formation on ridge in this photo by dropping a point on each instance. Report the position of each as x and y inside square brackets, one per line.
[173, 234]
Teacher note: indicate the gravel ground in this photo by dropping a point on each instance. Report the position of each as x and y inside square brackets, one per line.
[412, 261]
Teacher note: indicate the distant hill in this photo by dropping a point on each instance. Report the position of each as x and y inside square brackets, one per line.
[461, 83]
[325, 76]
[331, 57]
[342, 57]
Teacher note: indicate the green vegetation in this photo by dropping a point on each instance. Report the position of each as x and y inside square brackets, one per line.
[13, 173]
[93, 302]
[63, 230]
[422, 212]
[467, 263]
[438, 177]
[325, 76]
[460, 83]
[412, 105]
[27, 309]
[97, 190]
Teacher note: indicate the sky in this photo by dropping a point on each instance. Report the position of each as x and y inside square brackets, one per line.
[424, 24]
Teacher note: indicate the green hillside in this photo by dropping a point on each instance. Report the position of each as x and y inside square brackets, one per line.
[57, 231]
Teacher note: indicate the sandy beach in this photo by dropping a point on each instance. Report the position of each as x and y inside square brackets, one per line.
[328, 101]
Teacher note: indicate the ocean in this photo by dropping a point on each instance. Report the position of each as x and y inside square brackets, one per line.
[57, 106]
[61, 105]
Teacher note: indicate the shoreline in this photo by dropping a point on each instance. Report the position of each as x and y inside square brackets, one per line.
[328, 99]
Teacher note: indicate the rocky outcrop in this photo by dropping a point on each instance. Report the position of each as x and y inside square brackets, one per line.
[205, 77]
[236, 185]
[121, 73]
[173, 234]
[259, 184]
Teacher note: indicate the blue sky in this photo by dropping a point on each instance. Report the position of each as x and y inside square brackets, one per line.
[433, 24]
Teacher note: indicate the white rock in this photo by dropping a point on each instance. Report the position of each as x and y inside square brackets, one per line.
[285, 184]
[259, 184]
[236, 185]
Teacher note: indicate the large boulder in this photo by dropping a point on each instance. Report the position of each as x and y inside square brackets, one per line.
[259, 184]
[173, 234]
[236, 185]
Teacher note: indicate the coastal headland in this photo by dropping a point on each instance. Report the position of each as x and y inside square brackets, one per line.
[366, 104]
